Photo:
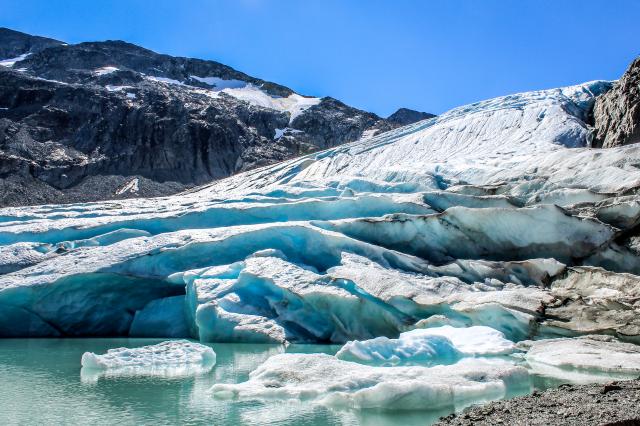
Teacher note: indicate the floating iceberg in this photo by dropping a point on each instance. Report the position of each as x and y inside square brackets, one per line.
[438, 345]
[583, 359]
[330, 381]
[425, 350]
[176, 358]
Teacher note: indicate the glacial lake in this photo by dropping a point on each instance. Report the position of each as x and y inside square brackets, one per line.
[41, 384]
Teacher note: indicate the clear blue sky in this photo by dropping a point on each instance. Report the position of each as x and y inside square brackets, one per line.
[372, 54]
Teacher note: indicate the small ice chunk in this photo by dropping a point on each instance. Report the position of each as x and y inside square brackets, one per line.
[439, 345]
[583, 359]
[425, 350]
[175, 358]
[470, 341]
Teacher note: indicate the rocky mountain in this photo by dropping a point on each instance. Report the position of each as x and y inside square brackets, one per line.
[101, 120]
[15, 43]
[616, 114]
[404, 116]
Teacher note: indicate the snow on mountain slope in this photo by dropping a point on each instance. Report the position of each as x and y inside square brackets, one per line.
[114, 111]
[483, 216]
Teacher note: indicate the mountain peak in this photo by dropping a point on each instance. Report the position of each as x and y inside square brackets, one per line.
[15, 43]
[404, 116]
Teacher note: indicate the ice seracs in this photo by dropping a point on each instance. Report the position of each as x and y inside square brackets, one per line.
[175, 358]
[479, 217]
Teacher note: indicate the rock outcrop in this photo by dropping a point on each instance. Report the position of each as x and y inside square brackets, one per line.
[616, 114]
[404, 116]
[15, 43]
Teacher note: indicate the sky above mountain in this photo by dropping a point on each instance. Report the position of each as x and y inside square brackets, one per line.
[376, 55]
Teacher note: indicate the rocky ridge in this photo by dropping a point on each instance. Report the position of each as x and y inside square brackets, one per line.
[103, 120]
[616, 114]
[404, 116]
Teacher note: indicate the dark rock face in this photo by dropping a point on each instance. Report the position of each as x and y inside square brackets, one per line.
[616, 114]
[332, 123]
[15, 43]
[103, 120]
[405, 116]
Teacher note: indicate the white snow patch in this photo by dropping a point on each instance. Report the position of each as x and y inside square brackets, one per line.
[132, 187]
[294, 104]
[165, 80]
[111, 88]
[220, 83]
[368, 134]
[104, 71]
[131, 95]
[9, 63]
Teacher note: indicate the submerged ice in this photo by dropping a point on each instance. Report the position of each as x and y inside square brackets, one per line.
[404, 247]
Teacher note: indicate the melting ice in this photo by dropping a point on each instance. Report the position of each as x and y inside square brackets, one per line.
[431, 252]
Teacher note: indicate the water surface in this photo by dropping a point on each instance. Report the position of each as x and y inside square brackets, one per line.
[40, 384]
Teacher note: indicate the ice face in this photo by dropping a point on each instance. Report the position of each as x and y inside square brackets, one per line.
[478, 217]
[161, 318]
[175, 358]
[328, 380]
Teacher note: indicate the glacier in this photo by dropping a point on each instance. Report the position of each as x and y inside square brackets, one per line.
[494, 215]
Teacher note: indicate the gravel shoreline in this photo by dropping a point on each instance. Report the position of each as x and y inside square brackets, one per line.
[613, 403]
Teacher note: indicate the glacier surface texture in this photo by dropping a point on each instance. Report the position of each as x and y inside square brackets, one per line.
[442, 254]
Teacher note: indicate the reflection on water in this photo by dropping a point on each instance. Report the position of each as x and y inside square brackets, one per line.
[41, 383]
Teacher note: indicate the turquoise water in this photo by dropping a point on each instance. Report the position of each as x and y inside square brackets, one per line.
[40, 384]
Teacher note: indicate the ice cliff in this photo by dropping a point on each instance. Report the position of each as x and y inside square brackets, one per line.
[493, 214]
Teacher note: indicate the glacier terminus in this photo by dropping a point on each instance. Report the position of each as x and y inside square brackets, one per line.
[449, 262]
